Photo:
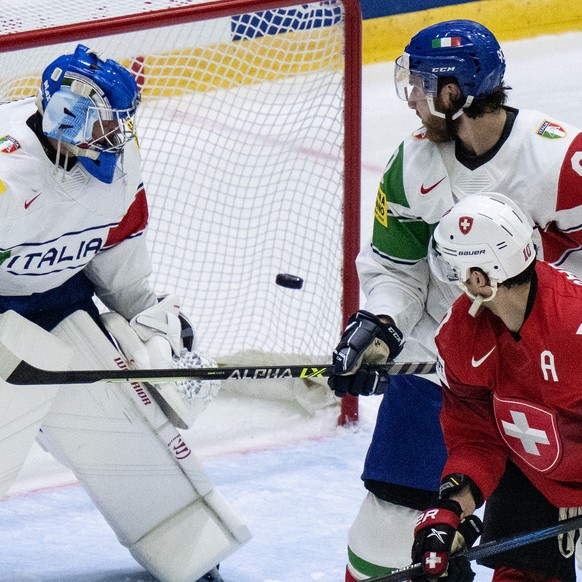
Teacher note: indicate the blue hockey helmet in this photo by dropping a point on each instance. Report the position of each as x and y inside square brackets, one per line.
[88, 105]
[462, 49]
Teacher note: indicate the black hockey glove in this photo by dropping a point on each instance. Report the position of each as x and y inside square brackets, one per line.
[366, 340]
[439, 533]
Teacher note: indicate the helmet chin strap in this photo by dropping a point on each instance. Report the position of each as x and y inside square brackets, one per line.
[478, 300]
[451, 116]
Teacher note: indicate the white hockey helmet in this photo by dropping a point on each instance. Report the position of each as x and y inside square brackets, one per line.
[488, 231]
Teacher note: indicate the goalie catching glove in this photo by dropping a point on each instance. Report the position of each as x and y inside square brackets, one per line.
[366, 340]
[162, 337]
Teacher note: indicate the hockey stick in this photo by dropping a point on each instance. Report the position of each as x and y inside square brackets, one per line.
[24, 373]
[491, 548]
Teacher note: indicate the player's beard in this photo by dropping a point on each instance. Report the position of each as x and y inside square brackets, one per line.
[437, 128]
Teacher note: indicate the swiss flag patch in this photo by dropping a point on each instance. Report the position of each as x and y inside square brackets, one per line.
[465, 224]
[530, 431]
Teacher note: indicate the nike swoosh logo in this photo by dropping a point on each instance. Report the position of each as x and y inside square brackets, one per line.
[424, 190]
[476, 363]
[27, 203]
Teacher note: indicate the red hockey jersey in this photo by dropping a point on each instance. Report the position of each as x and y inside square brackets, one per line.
[517, 396]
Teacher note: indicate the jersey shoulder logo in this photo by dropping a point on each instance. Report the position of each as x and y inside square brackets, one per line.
[9, 144]
[551, 130]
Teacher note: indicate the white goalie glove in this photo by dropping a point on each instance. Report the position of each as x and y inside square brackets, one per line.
[162, 337]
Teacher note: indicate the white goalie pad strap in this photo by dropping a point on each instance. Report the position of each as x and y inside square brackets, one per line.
[129, 343]
[161, 319]
[24, 408]
[139, 471]
[20, 339]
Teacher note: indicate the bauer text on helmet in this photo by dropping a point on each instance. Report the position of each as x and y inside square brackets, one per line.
[487, 231]
[88, 107]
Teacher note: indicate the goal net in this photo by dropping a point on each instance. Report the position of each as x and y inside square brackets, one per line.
[250, 136]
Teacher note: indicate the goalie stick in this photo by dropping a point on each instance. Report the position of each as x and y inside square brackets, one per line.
[24, 373]
[490, 548]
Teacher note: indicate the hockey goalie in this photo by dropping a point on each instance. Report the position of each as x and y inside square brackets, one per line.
[73, 216]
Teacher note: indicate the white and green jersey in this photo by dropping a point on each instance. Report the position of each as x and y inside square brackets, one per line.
[537, 162]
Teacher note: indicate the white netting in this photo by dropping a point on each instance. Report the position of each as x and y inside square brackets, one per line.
[241, 131]
[38, 14]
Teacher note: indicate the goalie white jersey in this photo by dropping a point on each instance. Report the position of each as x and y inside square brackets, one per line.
[71, 229]
[56, 223]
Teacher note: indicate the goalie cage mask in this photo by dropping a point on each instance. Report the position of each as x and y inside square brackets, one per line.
[89, 105]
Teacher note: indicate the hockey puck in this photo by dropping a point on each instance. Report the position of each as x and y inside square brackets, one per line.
[289, 281]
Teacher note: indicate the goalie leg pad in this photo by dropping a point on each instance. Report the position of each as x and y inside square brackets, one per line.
[23, 408]
[139, 471]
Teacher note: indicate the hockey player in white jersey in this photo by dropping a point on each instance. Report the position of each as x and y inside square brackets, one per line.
[452, 76]
[73, 215]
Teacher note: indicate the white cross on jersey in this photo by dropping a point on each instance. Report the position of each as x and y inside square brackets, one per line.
[432, 560]
[529, 437]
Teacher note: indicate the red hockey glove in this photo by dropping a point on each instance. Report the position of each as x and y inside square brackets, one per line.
[439, 532]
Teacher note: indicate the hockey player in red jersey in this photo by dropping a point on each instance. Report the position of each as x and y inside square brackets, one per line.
[510, 369]
[452, 76]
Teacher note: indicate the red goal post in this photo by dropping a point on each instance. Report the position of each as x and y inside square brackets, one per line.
[250, 138]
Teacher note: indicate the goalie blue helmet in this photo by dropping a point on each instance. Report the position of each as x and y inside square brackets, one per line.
[88, 105]
[462, 49]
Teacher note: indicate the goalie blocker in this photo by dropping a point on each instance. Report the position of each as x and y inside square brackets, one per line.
[139, 471]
